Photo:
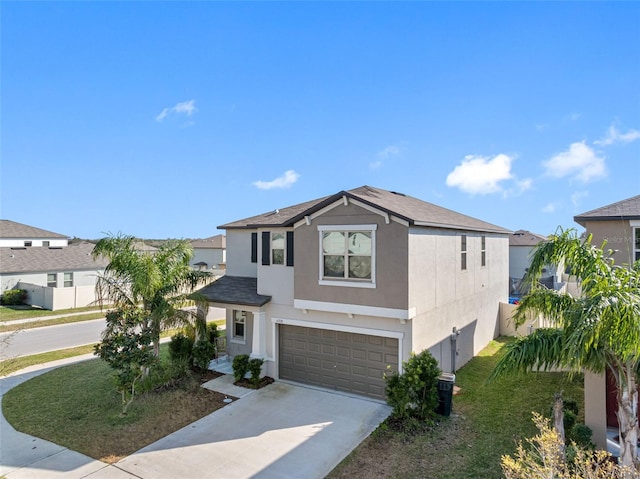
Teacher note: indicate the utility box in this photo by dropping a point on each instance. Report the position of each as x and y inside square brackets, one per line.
[445, 393]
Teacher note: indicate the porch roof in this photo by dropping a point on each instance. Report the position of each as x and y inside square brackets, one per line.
[235, 290]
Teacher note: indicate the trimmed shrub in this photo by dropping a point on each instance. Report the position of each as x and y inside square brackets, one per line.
[181, 349]
[240, 366]
[13, 297]
[203, 352]
[414, 393]
[255, 368]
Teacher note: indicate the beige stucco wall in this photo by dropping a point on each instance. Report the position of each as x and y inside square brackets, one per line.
[239, 254]
[617, 235]
[391, 261]
[445, 296]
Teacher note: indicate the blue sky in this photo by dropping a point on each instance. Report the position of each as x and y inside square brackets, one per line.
[167, 119]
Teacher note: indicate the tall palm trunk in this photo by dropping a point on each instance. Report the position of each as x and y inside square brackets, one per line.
[558, 422]
[628, 419]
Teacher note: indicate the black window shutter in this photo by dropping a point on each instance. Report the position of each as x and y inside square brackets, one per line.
[254, 247]
[266, 248]
[289, 248]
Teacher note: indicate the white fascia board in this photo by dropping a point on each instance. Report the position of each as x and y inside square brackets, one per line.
[362, 310]
[339, 327]
[342, 202]
[634, 223]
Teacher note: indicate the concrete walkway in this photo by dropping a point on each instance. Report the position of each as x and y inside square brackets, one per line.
[281, 431]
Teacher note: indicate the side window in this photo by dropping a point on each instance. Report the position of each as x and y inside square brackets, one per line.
[483, 251]
[52, 280]
[68, 280]
[463, 252]
[238, 327]
[28, 243]
[636, 243]
[254, 247]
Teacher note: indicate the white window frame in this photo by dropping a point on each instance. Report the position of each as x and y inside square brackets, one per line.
[636, 244]
[52, 283]
[348, 282]
[240, 317]
[68, 283]
[283, 249]
[464, 248]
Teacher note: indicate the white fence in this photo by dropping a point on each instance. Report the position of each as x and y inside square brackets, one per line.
[59, 298]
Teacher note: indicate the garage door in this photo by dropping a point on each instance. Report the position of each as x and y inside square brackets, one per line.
[337, 360]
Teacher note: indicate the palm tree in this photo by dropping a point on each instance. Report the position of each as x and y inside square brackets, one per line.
[161, 282]
[596, 331]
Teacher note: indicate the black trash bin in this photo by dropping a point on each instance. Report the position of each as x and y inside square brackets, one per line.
[445, 393]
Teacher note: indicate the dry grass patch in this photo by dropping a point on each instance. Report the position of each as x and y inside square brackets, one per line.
[77, 407]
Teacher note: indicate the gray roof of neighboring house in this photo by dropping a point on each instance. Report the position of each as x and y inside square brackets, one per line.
[235, 290]
[213, 242]
[414, 211]
[628, 209]
[74, 257]
[525, 238]
[11, 229]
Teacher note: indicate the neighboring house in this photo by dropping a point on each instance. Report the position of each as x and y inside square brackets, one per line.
[335, 291]
[55, 275]
[521, 246]
[619, 225]
[209, 253]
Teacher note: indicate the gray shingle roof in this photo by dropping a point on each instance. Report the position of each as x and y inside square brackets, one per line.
[628, 209]
[11, 229]
[235, 290]
[413, 210]
[74, 257]
[525, 238]
[213, 242]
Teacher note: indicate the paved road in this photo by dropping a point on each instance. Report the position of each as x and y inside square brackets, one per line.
[51, 338]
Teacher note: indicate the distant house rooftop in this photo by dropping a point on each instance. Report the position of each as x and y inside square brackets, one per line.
[525, 238]
[14, 230]
[628, 209]
[69, 258]
[213, 242]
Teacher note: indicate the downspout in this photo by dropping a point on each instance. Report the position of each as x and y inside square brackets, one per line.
[454, 348]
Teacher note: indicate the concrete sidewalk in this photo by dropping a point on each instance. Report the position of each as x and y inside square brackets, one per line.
[281, 431]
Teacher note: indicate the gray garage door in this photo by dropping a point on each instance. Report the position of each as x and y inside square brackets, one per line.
[348, 362]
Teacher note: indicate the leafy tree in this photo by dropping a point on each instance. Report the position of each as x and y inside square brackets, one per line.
[541, 459]
[596, 331]
[127, 349]
[161, 282]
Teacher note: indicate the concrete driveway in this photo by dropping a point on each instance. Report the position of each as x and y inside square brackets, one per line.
[280, 431]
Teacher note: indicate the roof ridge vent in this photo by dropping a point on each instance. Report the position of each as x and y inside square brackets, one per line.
[397, 193]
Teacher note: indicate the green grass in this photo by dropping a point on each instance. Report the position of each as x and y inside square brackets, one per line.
[78, 407]
[487, 421]
[11, 365]
[8, 313]
[50, 322]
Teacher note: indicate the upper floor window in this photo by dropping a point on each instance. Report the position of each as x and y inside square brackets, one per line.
[52, 280]
[277, 248]
[46, 243]
[463, 252]
[636, 243]
[68, 280]
[483, 251]
[347, 253]
[28, 243]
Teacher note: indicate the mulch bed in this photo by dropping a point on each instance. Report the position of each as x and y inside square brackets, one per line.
[246, 383]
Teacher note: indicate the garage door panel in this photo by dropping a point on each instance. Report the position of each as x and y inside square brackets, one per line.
[339, 360]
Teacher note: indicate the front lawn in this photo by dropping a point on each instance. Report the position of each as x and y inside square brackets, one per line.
[77, 407]
[8, 313]
[487, 421]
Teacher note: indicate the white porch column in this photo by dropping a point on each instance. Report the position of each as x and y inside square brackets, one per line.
[595, 407]
[259, 343]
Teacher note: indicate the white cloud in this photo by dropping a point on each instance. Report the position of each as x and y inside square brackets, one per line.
[375, 164]
[389, 151]
[614, 136]
[183, 108]
[481, 175]
[284, 181]
[576, 198]
[579, 162]
[550, 208]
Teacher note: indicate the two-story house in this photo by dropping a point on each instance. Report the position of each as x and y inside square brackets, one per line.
[619, 225]
[54, 273]
[334, 291]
